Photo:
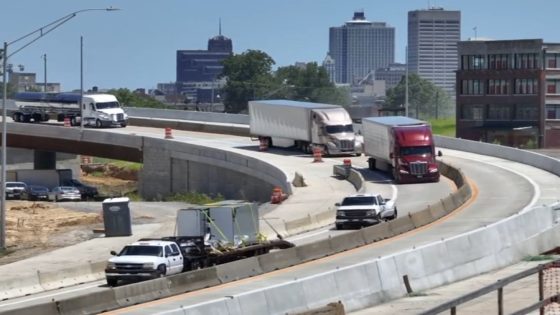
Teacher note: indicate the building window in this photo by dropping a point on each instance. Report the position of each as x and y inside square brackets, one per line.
[472, 87]
[552, 86]
[552, 61]
[552, 111]
[473, 62]
[498, 87]
[525, 86]
[472, 112]
[526, 112]
[526, 61]
[498, 62]
[499, 112]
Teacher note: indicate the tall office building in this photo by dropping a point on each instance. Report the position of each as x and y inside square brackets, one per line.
[198, 70]
[433, 35]
[359, 47]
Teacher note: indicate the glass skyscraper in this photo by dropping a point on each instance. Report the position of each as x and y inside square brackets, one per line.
[433, 35]
[359, 47]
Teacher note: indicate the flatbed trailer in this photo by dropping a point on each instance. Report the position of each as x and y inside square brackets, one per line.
[199, 255]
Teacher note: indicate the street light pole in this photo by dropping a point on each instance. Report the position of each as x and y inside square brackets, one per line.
[406, 84]
[81, 83]
[45, 62]
[4, 128]
[40, 32]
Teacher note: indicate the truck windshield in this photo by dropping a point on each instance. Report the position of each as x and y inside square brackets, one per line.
[359, 201]
[140, 250]
[107, 105]
[339, 128]
[416, 150]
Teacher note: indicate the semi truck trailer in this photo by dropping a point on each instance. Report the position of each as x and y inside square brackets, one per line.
[305, 125]
[98, 110]
[401, 145]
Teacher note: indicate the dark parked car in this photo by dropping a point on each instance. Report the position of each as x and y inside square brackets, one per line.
[66, 193]
[35, 192]
[86, 191]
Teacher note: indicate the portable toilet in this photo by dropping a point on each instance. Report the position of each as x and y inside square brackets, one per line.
[116, 217]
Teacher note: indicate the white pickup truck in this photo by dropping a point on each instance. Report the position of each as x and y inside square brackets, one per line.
[143, 260]
[364, 209]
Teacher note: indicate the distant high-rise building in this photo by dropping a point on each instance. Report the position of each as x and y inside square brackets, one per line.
[359, 47]
[199, 69]
[433, 35]
[329, 66]
[392, 74]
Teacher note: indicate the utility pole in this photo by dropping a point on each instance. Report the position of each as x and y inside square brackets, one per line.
[437, 103]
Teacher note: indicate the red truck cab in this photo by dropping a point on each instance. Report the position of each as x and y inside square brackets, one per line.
[414, 154]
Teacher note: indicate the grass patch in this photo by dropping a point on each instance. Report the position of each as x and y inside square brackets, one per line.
[444, 126]
[134, 196]
[97, 174]
[538, 258]
[134, 166]
[195, 198]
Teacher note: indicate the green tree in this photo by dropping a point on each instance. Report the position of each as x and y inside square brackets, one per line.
[131, 99]
[425, 100]
[248, 76]
[310, 83]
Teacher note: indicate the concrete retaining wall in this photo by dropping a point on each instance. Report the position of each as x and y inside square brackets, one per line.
[187, 115]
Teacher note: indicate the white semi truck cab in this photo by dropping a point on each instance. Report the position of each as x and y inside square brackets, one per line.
[103, 110]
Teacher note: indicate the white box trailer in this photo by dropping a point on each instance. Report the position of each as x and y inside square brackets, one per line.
[305, 125]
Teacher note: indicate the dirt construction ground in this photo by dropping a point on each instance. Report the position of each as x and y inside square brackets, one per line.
[36, 227]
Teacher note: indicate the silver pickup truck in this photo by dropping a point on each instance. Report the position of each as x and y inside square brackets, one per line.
[363, 210]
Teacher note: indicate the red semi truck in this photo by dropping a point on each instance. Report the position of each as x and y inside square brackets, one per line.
[401, 145]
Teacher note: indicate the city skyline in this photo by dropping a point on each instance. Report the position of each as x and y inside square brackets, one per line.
[136, 46]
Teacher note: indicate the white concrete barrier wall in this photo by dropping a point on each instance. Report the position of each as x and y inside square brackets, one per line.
[187, 115]
[378, 280]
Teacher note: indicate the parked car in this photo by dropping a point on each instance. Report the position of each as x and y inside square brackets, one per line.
[85, 190]
[35, 192]
[66, 193]
[13, 189]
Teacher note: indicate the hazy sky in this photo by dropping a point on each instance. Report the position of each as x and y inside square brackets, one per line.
[136, 46]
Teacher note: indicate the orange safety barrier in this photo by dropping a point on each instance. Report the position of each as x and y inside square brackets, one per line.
[263, 144]
[168, 134]
[86, 159]
[277, 195]
[66, 121]
[317, 155]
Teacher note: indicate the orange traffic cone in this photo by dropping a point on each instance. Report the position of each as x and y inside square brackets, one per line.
[66, 121]
[317, 155]
[263, 144]
[168, 134]
[277, 195]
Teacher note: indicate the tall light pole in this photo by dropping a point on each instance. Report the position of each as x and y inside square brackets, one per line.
[45, 63]
[406, 83]
[81, 83]
[38, 33]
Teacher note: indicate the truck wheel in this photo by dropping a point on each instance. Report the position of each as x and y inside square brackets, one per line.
[162, 270]
[73, 121]
[338, 226]
[16, 117]
[123, 125]
[98, 123]
[112, 282]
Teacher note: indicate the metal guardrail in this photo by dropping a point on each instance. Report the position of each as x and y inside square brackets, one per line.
[452, 305]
